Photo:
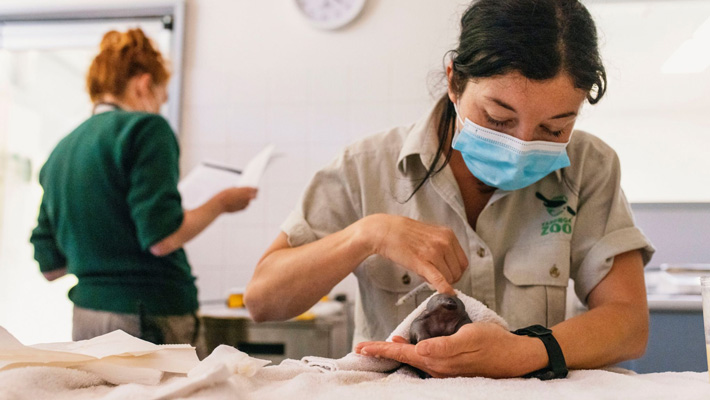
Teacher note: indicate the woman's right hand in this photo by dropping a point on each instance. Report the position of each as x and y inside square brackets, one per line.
[236, 198]
[433, 252]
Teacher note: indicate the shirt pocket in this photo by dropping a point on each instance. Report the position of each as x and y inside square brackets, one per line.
[388, 276]
[381, 284]
[535, 284]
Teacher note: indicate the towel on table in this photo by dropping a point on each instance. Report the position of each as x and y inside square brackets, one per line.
[143, 370]
[356, 362]
[303, 383]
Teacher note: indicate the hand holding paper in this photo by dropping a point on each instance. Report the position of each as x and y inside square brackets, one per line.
[237, 198]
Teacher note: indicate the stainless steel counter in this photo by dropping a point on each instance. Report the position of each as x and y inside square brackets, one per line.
[675, 302]
[323, 332]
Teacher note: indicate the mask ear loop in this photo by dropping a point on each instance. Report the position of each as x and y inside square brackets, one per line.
[458, 118]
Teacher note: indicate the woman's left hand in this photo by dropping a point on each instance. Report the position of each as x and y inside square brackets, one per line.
[477, 349]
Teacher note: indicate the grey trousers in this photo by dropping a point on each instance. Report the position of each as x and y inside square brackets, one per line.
[174, 329]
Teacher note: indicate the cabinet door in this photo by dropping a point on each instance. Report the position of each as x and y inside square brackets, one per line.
[676, 343]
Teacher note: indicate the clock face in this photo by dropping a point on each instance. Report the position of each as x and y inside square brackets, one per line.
[330, 14]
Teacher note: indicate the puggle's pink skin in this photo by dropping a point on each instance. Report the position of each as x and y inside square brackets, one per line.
[443, 316]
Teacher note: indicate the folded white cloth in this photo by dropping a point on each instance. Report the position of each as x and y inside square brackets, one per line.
[235, 361]
[117, 357]
[476, 310]
[144, 370]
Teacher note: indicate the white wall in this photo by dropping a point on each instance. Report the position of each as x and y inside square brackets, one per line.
[653, 116]
[680, 232]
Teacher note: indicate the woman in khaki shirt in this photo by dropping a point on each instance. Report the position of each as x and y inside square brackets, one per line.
[491, 194]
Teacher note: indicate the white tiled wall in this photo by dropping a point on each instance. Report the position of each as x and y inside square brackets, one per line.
[257, 73]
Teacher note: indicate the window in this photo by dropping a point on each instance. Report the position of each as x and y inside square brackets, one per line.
[44, 57]
[655, 113]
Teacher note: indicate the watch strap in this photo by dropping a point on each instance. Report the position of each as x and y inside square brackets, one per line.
[557, 367]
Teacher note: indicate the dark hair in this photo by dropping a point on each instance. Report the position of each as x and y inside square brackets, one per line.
[537, 38]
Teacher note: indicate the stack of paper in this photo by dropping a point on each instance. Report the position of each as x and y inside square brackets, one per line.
[117, 357]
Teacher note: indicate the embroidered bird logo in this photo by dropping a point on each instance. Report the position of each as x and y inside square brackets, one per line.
[555, 205]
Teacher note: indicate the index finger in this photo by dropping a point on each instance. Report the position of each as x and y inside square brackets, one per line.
[460, 254]
[436, 279]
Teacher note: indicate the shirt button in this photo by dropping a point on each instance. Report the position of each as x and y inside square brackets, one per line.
[406, 279]
[481, 252]
[554, 271]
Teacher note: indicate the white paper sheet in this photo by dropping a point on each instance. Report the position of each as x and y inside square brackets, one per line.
[121, 359]
[116, 343]
[210, 178]
[256, 166]
[117, 356]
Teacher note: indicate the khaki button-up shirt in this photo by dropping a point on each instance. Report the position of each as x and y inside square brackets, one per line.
[525, 247]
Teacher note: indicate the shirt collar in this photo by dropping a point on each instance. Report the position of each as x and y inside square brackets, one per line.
[104, 107]
[422, 140]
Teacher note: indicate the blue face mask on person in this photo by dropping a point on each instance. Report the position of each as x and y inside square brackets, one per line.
[506, 162]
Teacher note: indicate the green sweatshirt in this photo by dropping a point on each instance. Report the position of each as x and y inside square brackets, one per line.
[110, 192]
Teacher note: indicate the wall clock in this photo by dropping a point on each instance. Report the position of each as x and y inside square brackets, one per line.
[330, 14]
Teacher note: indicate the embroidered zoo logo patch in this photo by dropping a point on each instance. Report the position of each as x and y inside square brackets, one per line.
[557, 207]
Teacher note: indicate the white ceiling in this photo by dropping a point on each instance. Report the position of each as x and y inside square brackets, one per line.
[637, 37]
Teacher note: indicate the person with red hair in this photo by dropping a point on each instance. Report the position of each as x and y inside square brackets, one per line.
[111, 212]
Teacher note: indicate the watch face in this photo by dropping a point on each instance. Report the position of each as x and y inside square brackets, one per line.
[330, 14]
[537, 330]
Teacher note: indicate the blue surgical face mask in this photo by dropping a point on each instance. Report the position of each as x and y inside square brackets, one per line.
[506, 162]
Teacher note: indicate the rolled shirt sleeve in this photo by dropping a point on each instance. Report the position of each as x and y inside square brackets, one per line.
[604, 224]
[46, 249]
[152, 167]
[328, 204]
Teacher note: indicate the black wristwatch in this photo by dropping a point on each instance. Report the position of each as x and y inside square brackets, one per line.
[557, 368]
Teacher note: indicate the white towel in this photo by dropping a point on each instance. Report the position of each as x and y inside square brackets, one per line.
[235, 361]
[356, 362]
[303, 383]
[165, 373]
